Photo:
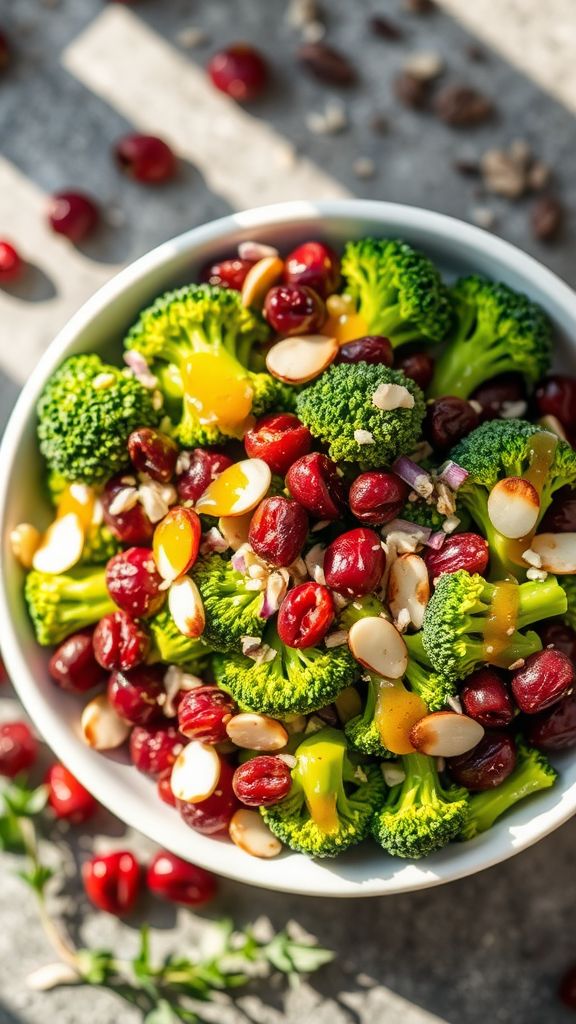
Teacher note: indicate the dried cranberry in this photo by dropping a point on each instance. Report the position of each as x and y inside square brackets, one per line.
[67, 797]
[419, 366]
[561, 516]
[135, 695]
[487, 765]
[354, 562]
[305, 615]
[199, 469]
[240, 71]
[120, 642]
[154, 453]
[73, 665]
[447, 421]
[134, 583]
[279, 439]
[203, 714]
[315, 265]
[556, 396]
[132, 526]
[11, 263]
[4, 51]
[413, 92]
[314, 481]
[462, 106]
[213, 815]
[486, 699]
[278, 530]
[228, 273]
[554, 729]
[73, 214]
[377, 497]
[18, 748]
[542, 681]
[154, 749]
[557, 633]
[262, 781]
[496, 392]
[547, 218]
[466, 551]
[176, 880]
[112, 882]
[372, 348]
[327, 64]
[294, 309]
[146, 158]
[384, 28]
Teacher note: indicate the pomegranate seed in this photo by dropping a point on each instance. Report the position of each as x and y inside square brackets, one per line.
[201, 469]
[487, 765]
[447, 421]
[203, 714]
[154, 453]
[486, 699]
[240, 71]
[278, 530]
[372, 348]
[558, 634]
[4, 51]
[212, 815]
[305, 615]
[131, 526]
[165, 789]
[134, 583]
[135, 696]
[146, 158]
[262, 781]
[554, 729]
[543, 680]
[112, 882]
[419, 366]
[11, 263]
[315, 265]
[561, 516]
[494, 393]
[18, 748]
[174, 879]
[377, 498]
[313, 480]
[279, 439]
[67, 797]
[294, 309]
[567, 990]
[228, 273]
[73, 665]
[461, 551]
[120, 642]
[154, 749]
[73, 214]
[556, 396]
[354, 562]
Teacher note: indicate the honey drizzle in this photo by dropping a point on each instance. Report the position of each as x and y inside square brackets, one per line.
[501, 623]
[397, 710]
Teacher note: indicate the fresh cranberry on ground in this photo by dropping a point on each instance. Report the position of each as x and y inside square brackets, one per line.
[112, 881]
[176, 880]
[198, 469]
[213, 815]
[542, 681]
[377, 497]
[18, 748]
[67, 797]
[554, 729]
[315, 265]
[419, 366]
[262, 781]
[467, 551]
[227, 273]
[145, 158]
[134, 583]
[354, 562]
[294, 309]
[120, 642]
[447, 421]
[11, 263]
[567, 989]
[561, 516]
[314, 481]
[487, 765]
[556, 396]
[305, 615]
[154, 749]
[486, 699]
[559, 634]
[131, 526]
[164, 787]
[278, 530]
[73, 214]
[135, 695]
[240, 71]
[204, 712]
[279, 439]
[154, 453]
[494, 394]
[372, 348]
[73, 665]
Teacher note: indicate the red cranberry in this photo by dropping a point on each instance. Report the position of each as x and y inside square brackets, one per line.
[73, 665]
[567, 990]
[372, 348]
[447, 421]
[354, 562]
[67, 797]
[120, 642]
[279, 439]
[4, 51]
[200, 468]
[213, 815]
[135, 695]
[164, 787]
[487, 765]
[494, 393]
[11, 263]
[240, 71]
[377, 497]
[134, 583]
[561, 516]
[486, 699]
[262, 781]
[556, 396]
[203, 714]
[554, 729]
[18, 748]
[294, 309]
[542, 681]
[228, 273]
[73, 214]
[315, 265]
[419, 366]
[145, 158]
[305, 615]
[112, 882]
[153, 749]
[462, 551]
[314, 481]
[278, 530]
[154, 453]
[176, 880]
[559, 634]
[131, 526]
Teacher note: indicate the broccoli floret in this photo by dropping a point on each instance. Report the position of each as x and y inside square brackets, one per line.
[533, 772]
[62, 604]
[569, 584]
[85, 415]
[497, 331]
[362, 731]
[100, 545]
[339, 404]
[331, 803]
[171, 646]
[458, 614]
[232, 610]
[433, 687]
[291, 682]
[420, 815]
[398, 291]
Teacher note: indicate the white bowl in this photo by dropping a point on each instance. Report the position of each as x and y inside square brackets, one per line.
[99, 326]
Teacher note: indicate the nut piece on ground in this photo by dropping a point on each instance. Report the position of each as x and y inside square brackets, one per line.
[461, 106]
[411, 91]
[327, 64]
[547, 218]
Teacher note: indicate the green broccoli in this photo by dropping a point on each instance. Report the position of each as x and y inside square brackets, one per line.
[362, 731]
[63, 604]
[100, 545]
[420, 815]
[569, 584]
[533, 773]
[339, 404]
[458, 613]
[331, 803]
[85, 415]
[232, 610]
[398, 291]
[497, 331]
[433, 687]
[171, 646]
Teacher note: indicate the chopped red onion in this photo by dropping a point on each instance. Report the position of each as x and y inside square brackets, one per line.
[453, 475]
[275, 592]
[404, 526]
[413, 475]
[436, 540]
[212, 541]
[135, 360]
[239, 562]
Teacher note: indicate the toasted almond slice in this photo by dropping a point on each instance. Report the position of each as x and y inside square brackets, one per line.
[237, 490]
[378, 645]
[186, 607]
[25, 540]
[102, 728]
[557, 551]
[302, 357]
[513, 507]
[195, 773]
[248, 831]
[235, 529]
[260, 279]
[408, 589]
[446, 734]
[176, 542]
[256, 732]
[61, 545]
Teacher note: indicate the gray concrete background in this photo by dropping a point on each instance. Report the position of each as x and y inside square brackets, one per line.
[489, 948]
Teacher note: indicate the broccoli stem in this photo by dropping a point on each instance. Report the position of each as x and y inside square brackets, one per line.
[320, 774]
[541, 600]
[530, 776]
[467, 362]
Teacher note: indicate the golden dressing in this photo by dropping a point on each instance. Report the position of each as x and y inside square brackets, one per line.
[397, 710]
[501, 623]
[345, 327]
[79, 499]
[216, 393]
[322, 808]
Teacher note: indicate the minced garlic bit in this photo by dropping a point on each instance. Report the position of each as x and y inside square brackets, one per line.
[336, 639]
[102, 381]
[536, 574]
[450, 524]
[517, 664]
[454, 703]
[513, 410]
[532, 558]
[363, 437]
[392, 396]
[392, 774]
[124, 500]
[259, 652]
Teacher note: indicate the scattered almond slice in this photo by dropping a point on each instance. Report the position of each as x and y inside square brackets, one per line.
[248, 831]
[256, 250]
[195, 773]
[301, 358]
[186, 607]
[256, 732]
[513, 507]
[378, 645]
[25, 540]
[260, 279]
[102, 728]
[176, 542]
[557, 552]
[408, 589]
[392, 396]
[61, 545]
[237, 490]
[446, 734]
[235, 529]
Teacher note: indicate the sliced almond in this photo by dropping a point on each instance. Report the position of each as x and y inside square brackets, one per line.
[255, 250]
[176, 542]
[25, 540]
[260, 279]
[249, 831]
[236, 491]
[256, 732]
[513, 507]
[445, 734]
[408, 589]
[186, 607]
[557, 552]
[301, 358]
[195, 773]
[378, 645]
[235, 529]
[102, 728]
[61, 545]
